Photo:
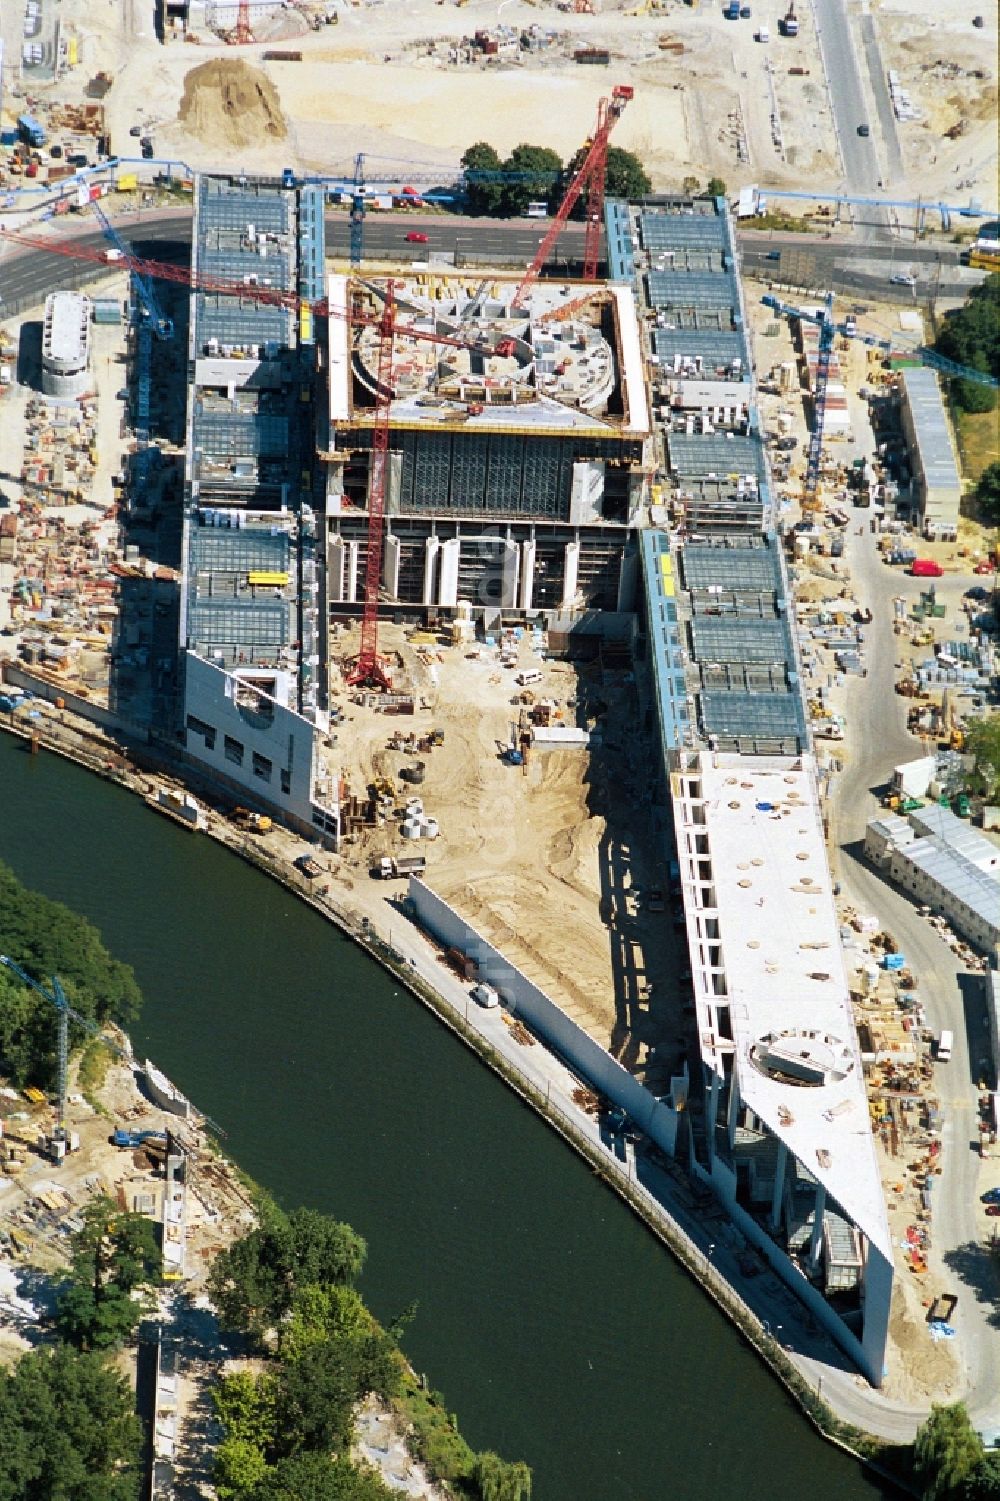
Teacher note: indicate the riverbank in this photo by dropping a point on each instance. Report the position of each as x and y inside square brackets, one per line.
[710, 1256]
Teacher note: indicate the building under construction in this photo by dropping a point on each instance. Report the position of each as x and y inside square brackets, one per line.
[516, 443]
[251, 597]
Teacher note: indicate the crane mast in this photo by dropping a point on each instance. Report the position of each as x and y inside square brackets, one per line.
[368, 669]
[590, 175]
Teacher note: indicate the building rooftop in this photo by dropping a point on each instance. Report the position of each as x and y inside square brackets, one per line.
[931, 428]
[792, 1026]
[569, 362]
[67, 327]
[957, 834]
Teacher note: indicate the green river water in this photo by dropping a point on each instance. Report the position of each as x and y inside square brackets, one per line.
[558, 1329]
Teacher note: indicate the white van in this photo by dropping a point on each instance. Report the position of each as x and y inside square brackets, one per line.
[485, 995]
[529, 675]
[944, 1047]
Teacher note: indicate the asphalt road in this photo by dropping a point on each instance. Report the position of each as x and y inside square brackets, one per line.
[952, 997]
[847, 100]
[866, 267]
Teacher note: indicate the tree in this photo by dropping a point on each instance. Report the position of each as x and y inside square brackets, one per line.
[715, 187]
[113, 1256]
[534, 174]
[988, 492]
[946, 1451]
[67, 1430]
[253, 1283]
[982, 740]
[240, 1466]
[971, 334]
[318, 1389]
[484, 195]
[983, 1484]
[971, 395]
[246, 1406]
[626, 177]
[499, 1481]
[316, 1477]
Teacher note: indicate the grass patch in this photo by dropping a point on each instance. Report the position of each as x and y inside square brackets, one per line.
[778, 219]
[95, 1061]
[435, 1439]
[978, 442]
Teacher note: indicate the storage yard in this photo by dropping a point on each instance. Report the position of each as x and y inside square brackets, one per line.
[740, 100]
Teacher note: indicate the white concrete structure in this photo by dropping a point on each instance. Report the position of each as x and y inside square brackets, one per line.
[942, 863]
[787, 1136]
[66, 344]
[937, 484]
[252, 741]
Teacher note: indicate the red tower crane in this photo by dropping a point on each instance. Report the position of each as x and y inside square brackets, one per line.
[368, 669]
[590, 175]
[241, 33]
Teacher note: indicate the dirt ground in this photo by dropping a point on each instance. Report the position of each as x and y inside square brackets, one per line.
[710, 100]
[554, 864]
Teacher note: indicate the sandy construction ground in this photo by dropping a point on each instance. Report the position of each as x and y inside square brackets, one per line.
[553, 866]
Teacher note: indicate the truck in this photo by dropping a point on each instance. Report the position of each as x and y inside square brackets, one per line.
[393, 868]
[926, 568]
[123, 1138]
[732, 10]
[30, 130]
[945, 1044]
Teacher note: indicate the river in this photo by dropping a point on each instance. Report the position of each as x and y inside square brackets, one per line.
[558, 1328]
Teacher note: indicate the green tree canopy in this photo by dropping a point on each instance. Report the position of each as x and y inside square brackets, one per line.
[946, 1452]
[983, 1484]
[67, 1430]
[500, 1481]
[45, 939]
[534, 174]
[971, 336]
[113, 1256]
[316, 1477]
[715, 187]
[988, 492]
[253, 1282]
[483, 195]
[982, 740]
[626, 177]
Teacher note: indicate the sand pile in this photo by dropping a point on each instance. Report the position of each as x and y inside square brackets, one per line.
[228, 101]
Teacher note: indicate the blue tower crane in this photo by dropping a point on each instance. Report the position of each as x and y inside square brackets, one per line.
[161, 325]
[57, 998]
[828, 329]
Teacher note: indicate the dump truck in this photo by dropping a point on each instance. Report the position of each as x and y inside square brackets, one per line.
[389, 868]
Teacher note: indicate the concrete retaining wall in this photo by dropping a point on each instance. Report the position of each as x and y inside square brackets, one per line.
[586, 1057]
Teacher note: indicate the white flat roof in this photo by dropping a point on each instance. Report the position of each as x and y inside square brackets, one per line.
[339, 350]
[784, 968]
[69, 326]
[630, 352]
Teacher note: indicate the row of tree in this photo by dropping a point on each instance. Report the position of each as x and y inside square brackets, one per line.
[502, 188]
[288, 1285]
[971, 336]
[949, 1460]
[46, 938]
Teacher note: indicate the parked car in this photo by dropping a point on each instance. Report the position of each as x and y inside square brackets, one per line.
[977, 592]
[135, 130]
[993, 1209]
[991, 1196]
[416, 237]
[864, 131]
[902, 279]
[147, 148]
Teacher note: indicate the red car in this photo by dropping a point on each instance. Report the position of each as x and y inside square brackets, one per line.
[993, 1209]
[416, 237]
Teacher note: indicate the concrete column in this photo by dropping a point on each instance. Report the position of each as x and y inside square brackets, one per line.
[431, 549]
[627, 580]
[511, 574]
[734, 1108]
[351, 582]
[779, 1186]
[391, 557]
[527, 574]
[712, 1114]
[571, 568]
[336, 555]
[816, 1240]
[877, 1299]
[448, 583]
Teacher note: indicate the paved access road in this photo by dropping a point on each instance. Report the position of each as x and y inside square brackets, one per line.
[877, 741]
[847, 100]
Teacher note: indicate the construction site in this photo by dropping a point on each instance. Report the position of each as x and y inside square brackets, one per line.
[523, 594]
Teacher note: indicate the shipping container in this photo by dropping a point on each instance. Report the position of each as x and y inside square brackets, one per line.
[926, 568]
